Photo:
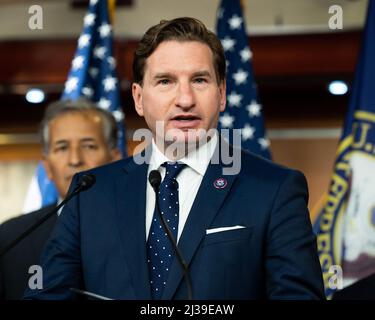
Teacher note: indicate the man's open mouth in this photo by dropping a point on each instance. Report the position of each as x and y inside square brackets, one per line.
[185, 118]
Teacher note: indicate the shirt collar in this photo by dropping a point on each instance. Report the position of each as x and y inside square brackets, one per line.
[198, 159]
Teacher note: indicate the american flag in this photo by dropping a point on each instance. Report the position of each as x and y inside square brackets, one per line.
[92, 75]
[93, 71]
[243, 109]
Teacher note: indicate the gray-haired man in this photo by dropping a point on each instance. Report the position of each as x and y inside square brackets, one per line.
[75, 136]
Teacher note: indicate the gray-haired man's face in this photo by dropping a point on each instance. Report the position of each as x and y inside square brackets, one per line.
[76, 143]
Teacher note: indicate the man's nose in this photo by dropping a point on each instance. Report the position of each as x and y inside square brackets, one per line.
[75, 157]
[185, 98]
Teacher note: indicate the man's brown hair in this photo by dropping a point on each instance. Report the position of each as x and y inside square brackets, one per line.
[179, 29]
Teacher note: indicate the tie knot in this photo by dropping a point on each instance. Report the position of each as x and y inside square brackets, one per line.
[172, 169]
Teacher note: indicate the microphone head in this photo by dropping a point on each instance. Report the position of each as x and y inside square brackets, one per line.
[155, 179]
[86, 181]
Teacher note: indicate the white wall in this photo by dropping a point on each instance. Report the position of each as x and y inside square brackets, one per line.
[60, 20]
[15, 177]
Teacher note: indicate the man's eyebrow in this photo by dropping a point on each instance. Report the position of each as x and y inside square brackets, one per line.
[63, 141]
[87, 140]
[162, 75]
[202, 74]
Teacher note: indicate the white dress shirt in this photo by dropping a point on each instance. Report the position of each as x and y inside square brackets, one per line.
[189, 180]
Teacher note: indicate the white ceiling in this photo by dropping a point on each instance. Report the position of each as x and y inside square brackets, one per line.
[262, 16]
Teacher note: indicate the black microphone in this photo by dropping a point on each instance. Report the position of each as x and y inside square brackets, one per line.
[89, 294]
[155, 179]
[85, 182]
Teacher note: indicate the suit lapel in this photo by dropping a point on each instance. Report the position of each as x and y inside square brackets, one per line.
[207, 204]
[130, 206]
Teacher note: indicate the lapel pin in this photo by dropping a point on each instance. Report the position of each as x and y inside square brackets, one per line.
[220, 183]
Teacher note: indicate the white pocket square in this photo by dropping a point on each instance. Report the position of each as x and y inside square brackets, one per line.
[215, 230]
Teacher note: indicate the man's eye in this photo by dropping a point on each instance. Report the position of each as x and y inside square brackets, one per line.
[164, 81]
[200, 80]
[90, 147]
[60, 148]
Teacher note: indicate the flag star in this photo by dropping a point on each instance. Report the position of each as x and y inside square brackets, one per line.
[240, 76]
[254, 109]
[247, 132]
[235, 22]
[228, 43]
[234, 99]
[77, 62]
[93, 2]
[109, 83]
[119, 115]
[93, 72]
[88, 92]
[112, 62]
[89, 19]
[71, 84]
[227, 63]
[226, 120]
[246, 54]
[105, 30]
[99, 52]
[84, 40]
[104, 103]
[264, 143]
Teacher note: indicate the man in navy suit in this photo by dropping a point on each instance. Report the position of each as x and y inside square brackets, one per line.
[91, 141]
[244, 234]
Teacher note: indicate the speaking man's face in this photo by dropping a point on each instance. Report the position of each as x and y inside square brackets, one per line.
[76, 143]
[181, 90]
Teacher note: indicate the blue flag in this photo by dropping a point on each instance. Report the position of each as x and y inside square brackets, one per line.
[346, 225]
[93, 74]
[243, 110]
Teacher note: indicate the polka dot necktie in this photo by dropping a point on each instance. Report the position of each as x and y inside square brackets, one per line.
[159, 248]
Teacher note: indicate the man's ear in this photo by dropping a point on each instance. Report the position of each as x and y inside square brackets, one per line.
[115, 154]
[47, 167]
[137, 97]
[223, 95]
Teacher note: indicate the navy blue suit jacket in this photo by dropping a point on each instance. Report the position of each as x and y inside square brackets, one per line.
[99, 242]
[15, 264]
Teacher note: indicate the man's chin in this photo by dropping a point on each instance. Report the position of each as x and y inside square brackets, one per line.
[178, 143]
[186, 136]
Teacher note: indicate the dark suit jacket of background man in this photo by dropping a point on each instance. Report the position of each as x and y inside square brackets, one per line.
[99, 243]
[14, 265]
